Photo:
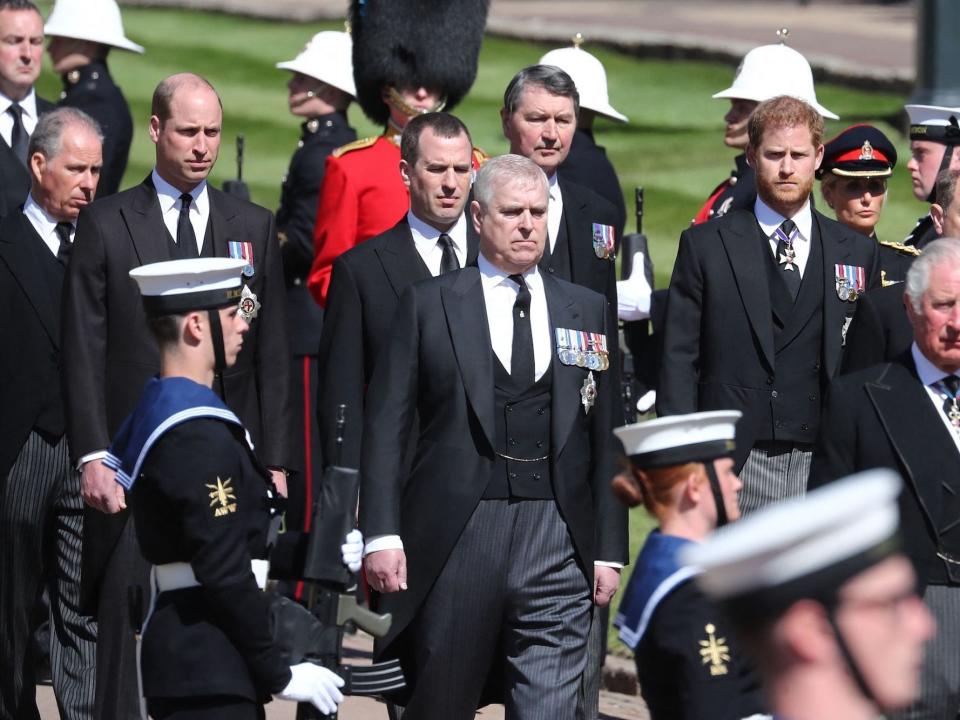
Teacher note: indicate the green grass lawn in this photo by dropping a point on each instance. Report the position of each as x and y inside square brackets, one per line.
[672, 145]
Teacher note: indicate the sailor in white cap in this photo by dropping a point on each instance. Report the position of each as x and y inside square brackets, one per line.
[587, 163]
[82, 33]
[205, 511]
[934, 132]
[687, 663]
[321, 89]
[764, 73]
[823, 599]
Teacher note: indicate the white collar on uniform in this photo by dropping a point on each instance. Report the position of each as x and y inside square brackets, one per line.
[169, 196]
[770, 219]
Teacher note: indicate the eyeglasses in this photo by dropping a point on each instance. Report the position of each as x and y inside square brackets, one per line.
[858, 186]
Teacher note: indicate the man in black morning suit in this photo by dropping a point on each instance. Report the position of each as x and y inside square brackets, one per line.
[109, 353]
[369, 280]
[41, 512]
[903, 415]
[490, 551]
[758, 305]
[21, 54]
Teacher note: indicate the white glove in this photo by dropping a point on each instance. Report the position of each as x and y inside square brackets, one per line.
[314, 684]
[352, 550]
[633, 294]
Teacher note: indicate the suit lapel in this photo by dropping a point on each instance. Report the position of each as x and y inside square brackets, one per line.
[401, 262]
[16, 236]
[918, 436]
[742, 241]
[579, 241]
[836, 251]
[473, 240]
[145, 223]
[567, 380]
[222, 215]
[465, 311]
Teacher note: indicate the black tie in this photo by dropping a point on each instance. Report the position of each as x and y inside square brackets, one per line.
[786, 256]
[521, 365]
[449, 260]
[18, 136]
[63, 232]
[952, 385]
[186, 238]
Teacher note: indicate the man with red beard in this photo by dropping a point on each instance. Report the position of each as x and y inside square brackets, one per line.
[759, 304]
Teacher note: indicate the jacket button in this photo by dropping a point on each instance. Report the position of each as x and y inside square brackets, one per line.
[779, 423]
[539, 443]
[512, 441]
[770, 380]
[551, 270]
[513, 476]
[509, 408]
[813, 397]
[804, 427]
[816, 366]
[536, 476]
[541, 411]
[774, 394]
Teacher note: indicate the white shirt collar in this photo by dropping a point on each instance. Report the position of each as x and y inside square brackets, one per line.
[926, 370]
[770, 219]
[169, 196]
[491, 275]
[425, 234]
[29, 104]
[553, 183]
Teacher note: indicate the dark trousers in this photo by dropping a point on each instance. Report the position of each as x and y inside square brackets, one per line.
[204, 708]
[512, 599]
[304, 484]
[41, 530]
[123, 598]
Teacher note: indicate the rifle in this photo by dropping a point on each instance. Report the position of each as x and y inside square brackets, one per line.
[330, 591]
[238, 188]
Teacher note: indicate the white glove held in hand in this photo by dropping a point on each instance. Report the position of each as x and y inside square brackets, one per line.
[352, 550]
[633, 294]
[314, 684]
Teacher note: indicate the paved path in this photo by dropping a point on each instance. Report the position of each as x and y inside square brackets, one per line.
[862, 43]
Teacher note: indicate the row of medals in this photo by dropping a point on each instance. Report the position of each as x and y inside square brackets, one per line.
[590, 359]
[846, 291]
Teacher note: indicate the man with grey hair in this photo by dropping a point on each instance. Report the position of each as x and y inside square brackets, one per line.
[40, 505]
[905, 415]
[514, 445]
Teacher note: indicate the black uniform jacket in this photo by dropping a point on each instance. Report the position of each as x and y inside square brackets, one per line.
[30, 333]
[587, 165]
[440, 363]
[880, 332]
[14, 178]
[201, 499]
[883, 417]
[719, 332]
[109, 353]
[690, 665]
[92, 90]
[296, 217]
[365, 289]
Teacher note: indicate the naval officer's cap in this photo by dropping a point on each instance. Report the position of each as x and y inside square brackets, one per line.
[679, 439]
[180, 286]
[803, 548]
[934, 123]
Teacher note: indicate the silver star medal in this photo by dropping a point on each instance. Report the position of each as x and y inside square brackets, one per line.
[588, 393]
[249, 305]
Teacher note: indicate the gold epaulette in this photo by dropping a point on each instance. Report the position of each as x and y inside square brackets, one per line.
[479, 157]
[900, 247]
[355, 145]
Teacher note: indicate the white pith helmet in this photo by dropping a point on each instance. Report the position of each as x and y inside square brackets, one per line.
[588, 75]
[328, 57]
[93, 20]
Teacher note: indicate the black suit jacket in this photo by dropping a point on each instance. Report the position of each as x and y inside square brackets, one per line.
[883, 417]
[718, 350]
[365, 289]
[440, 363]
[880, 332]
[587, 165]
[109, 353]
[14, 178]
[30, 332]
[93, 91]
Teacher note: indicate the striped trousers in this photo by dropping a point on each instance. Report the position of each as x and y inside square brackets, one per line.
[41, 529]
[774, 471]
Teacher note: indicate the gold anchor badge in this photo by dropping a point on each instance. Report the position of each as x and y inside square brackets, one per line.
[714, 651]
[220, 496]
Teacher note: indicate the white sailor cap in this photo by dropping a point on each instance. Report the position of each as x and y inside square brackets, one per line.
[328, 57]
[806, 547]
[934, 123]
[588, 75]
[772, 70]
[679, 439]
[179, 286]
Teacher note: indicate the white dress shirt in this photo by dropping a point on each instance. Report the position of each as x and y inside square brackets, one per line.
[29, 116]
[554, 211]
[45, 225]
[169, 198]
[770, 220]
[425, 239]
[929, 375]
